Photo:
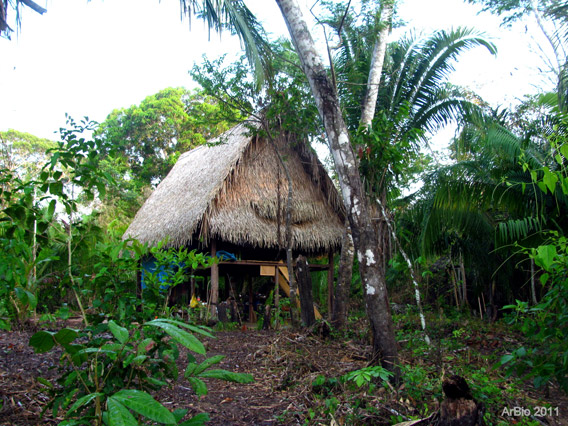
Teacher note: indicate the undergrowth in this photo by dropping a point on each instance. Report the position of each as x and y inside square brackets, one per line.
[461, 344]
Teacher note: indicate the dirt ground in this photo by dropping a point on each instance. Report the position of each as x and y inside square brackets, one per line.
[249, 351]
[284, 366]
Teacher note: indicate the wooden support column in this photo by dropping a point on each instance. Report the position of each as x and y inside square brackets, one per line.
[276, 298]
[252, 314]
[330, 292]
[214, 281]
[305, 287]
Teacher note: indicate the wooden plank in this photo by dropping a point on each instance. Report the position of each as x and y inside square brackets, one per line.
[312, 266]
[285, 286]
[267, 271]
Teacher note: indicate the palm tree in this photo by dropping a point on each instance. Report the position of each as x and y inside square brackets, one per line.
[414, 101]
[487, 203]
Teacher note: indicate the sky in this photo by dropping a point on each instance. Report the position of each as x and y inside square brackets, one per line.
[89, 58]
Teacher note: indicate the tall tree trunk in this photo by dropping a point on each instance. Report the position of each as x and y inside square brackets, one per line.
[377, 61]
[355, 201]
[339, 313]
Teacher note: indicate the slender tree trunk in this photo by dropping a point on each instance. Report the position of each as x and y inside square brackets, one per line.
[289, 259]
[355, 201]
[377, 61]
[464, 282]
[412, 274]
[455, 284]
[289, 255]
[533, 285]
[306, 297]
[341, 299]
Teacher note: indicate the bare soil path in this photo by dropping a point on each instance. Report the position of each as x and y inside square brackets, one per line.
[266, 355]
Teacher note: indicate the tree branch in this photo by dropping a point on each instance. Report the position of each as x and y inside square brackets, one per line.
[34, 6]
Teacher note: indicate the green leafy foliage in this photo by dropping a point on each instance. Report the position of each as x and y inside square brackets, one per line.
[545, 357]
[108, 377]
[28, 212]
[368, 374]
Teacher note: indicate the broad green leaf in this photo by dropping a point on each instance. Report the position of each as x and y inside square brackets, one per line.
[66, 336]
[56, 188]
[197, 385]
[182, 337]
[120, 333]
[143, 404]
[138, 360]
[145, 346]
[180, 413]
[190, 369]
[96, 350]
[32, 299]
[51, 209]
[22, 295]
[197, 420]
[84, 400]
[564, 150]
[45, 382]
[550, 180]
[201, 330]
[118, 414]
[208, 363]
[42, 341]
[545, 256]
[228, 375]
[156, 382]
[506, 358]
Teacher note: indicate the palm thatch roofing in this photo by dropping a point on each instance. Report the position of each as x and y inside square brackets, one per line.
[234, 189]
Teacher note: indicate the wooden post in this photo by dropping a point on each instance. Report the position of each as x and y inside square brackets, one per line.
[214, 281]
[305, 286]
[330, 293]
[276, 298]
[252, 316]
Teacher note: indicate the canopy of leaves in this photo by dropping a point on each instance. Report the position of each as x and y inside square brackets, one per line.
[23, 153]
[150, 137]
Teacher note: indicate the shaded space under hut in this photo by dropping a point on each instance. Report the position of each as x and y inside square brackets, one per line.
[228, 198]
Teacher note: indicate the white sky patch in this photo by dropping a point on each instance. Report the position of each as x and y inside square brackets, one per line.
[88, 58]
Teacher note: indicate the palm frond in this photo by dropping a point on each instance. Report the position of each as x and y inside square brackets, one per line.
[234, 15]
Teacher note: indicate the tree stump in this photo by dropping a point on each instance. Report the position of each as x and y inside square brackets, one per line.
[459, 408]
[222, 312]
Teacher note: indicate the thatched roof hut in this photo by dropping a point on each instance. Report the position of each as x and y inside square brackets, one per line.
[234, 190]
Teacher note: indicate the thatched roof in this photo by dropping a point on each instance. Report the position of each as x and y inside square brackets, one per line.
[235, 190]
